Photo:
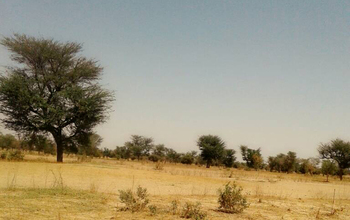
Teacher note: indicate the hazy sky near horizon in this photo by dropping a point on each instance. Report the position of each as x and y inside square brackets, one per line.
[268, 74]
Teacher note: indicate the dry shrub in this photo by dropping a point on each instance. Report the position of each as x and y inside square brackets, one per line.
[159, 166]
[134, 201]
[193, 211]
[84, 158]
[231, 199]
[153, 209]
[15, 155]
[174, 206]
[3, 155]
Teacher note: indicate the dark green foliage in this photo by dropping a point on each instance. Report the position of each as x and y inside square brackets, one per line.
[339, 151]
[3, 155]
[14, 155]
[283, 163]
[173, 156]
[187, 159]
[229, 158]
[153, 209]
[139, 146]
[52, 90]
[134, 201]
[252, 157]
[91, 147]
[121, 153]
[308, 166]
[328, 168]
[158, 153]
[39, 143]
[193, 211]
[212, 148]
[231, 199]
[8, 141]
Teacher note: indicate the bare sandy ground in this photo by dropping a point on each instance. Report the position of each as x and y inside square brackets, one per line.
[271, 195]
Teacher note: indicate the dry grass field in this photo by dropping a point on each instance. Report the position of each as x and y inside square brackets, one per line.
[38, 188]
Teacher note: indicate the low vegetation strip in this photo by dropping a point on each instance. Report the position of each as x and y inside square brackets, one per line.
[52, 203]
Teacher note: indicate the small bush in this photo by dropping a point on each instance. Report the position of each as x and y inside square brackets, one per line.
[134, 201]
[193, 211]
[3, 155]
[159, 166]
[153, 209]
[174, 206]
[84, 158]
[231, 199]
[16, 155]
[154, 158]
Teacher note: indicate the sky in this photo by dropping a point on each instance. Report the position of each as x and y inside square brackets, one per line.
[267, 74]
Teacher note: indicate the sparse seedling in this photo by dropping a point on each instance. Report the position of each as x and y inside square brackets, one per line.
[134, 201]
[193, 211]
[3, 155]
[231, 199]
[174, 206]
[159, 166]
[153, 209]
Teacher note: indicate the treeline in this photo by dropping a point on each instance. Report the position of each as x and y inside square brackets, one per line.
[334, 157]
[213, 151]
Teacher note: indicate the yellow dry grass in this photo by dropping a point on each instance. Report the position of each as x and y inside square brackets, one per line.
[40, 189]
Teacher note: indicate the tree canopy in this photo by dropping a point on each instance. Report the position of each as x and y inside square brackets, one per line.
[139, 146]
[252, 157]
[339, 151]
[53, 90]
[212, 148]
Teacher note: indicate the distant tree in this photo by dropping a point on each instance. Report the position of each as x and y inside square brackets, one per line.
[91, 147]
[173, 156]
[188, 158]
[122, 152]
[53, 90]
[107, 153]
[158, 153]
[283, 163]
[8, 141]
[43, 144]
[252, 157]
[328, 168]
[309, 166]
[212, 148]
[139, 146]
[339, 151]
[229, 157]
[290, 161]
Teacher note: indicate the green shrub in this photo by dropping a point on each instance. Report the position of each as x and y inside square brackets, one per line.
[193, 211]
[3, 155]
[174, 206]
[134, 201]
[153, 209]
[15, 155]
[231, 199]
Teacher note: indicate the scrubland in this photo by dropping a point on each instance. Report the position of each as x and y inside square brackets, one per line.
[39, 188]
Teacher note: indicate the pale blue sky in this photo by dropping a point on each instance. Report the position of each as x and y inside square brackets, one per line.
[269, 74]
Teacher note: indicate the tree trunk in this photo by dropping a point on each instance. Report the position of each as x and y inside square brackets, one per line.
[59, 145]
[59, 152]
[327, 176]
[341, 174]
[208, 163]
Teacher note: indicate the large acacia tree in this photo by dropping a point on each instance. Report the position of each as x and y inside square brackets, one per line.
[339, 151]
[53, 90]
[212, 148]
[252, 157]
